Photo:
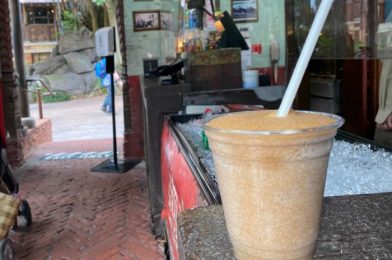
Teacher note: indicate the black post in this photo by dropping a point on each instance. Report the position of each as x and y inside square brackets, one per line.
[114, 122]
[114, 165]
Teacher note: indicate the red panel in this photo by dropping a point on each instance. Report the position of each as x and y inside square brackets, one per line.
[281, 77]
[354, 95]
[2, 126]
[180, 189]
[133, 140]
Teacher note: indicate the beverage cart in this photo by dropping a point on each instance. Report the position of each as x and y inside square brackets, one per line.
[184, 194]
[176, 180]
[354, 225]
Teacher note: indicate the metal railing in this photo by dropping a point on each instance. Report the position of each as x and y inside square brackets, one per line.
[37, 90]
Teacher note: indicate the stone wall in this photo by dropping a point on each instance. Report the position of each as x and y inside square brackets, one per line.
[71, 65]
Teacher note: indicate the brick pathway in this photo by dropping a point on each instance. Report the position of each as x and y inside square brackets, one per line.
[78, 214]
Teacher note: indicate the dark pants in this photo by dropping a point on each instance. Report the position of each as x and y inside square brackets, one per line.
[383, 137]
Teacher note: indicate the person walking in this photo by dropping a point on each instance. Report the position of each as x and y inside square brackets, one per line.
[107, 105]
[105, 79]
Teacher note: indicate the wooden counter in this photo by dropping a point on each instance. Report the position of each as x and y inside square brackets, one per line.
[352, 227]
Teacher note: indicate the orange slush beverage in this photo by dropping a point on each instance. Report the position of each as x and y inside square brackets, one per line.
[271, 174]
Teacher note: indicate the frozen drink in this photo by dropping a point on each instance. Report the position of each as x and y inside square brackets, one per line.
[271, 173]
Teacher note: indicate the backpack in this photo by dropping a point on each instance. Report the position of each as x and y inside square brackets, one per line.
[100, 68]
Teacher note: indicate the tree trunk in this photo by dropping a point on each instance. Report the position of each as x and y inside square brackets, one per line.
[111, 11]
[93, 13]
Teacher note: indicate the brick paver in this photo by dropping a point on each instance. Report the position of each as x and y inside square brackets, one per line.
[79, 214]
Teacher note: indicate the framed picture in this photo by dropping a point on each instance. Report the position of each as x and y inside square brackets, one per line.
[244, 10]
[167, 22]
[146, 20]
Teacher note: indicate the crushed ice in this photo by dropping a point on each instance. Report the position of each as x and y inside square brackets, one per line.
[358, 169]
[354, 168]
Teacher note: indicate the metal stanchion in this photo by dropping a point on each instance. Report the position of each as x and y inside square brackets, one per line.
[103, 41]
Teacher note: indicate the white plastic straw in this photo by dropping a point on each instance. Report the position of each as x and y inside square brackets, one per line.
[304, 58]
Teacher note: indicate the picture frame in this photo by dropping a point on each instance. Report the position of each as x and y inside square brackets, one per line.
[146, 20]
[167, 20]
[244, 10]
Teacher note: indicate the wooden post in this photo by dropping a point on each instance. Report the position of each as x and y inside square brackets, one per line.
[39, 101]
[19, 55]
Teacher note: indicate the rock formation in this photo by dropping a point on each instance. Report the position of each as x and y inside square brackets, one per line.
[71, 66]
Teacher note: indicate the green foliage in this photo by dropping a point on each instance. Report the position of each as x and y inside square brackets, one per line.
[58, 97]
[71, 22]
[100, 2]
[324, 46]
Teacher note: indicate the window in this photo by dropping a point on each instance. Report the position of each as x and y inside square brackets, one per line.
[40, 14]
